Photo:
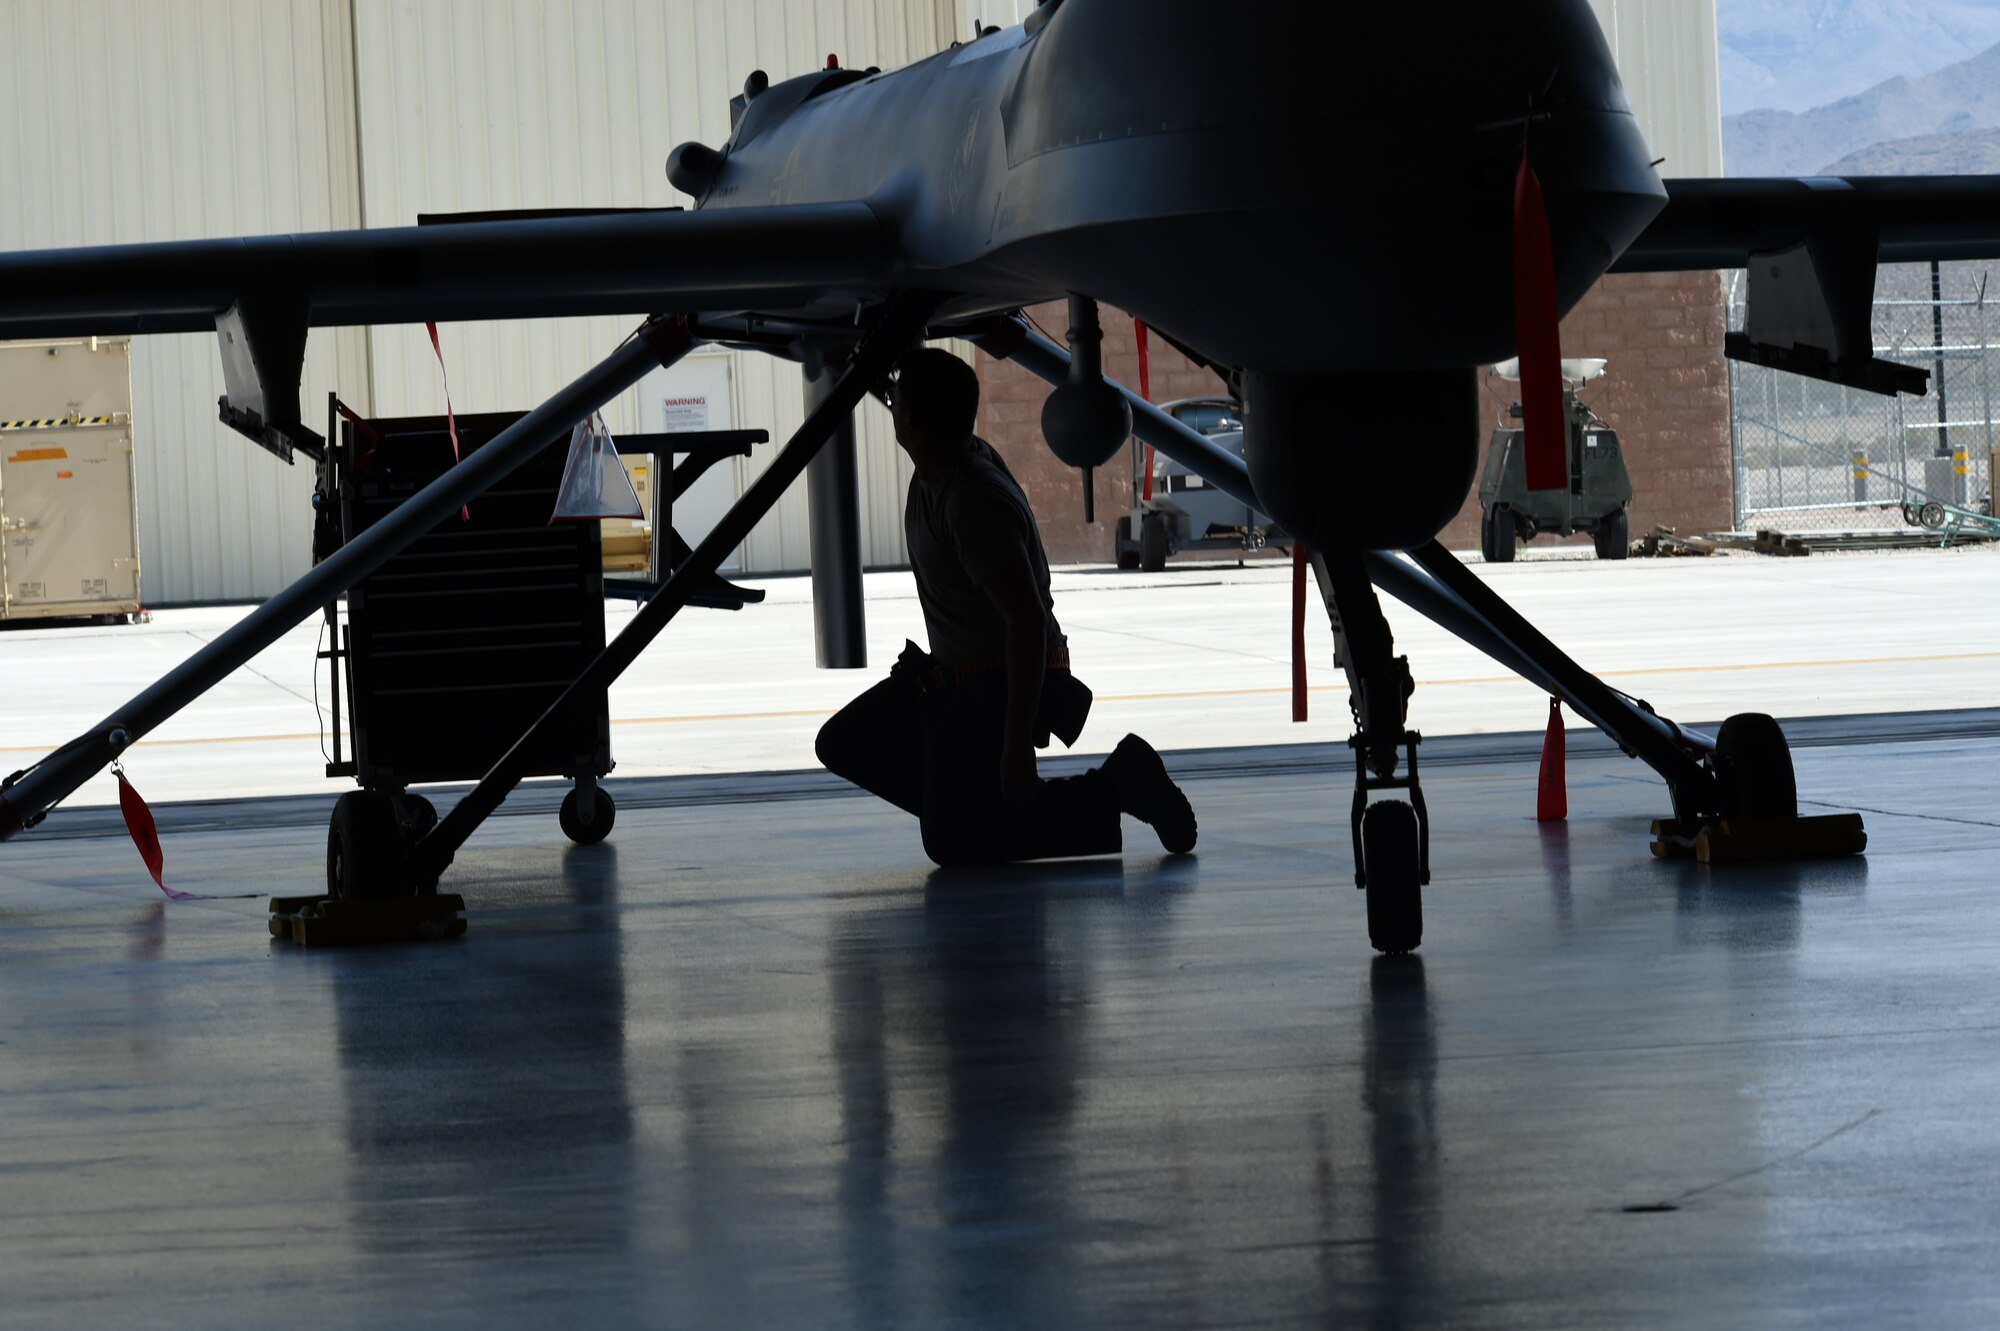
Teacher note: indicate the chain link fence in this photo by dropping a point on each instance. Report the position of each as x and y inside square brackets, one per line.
[1813, 456]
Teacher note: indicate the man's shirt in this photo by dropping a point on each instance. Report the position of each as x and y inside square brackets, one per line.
[963, 529]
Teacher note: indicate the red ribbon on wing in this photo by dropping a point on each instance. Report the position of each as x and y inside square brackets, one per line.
[1537, 333]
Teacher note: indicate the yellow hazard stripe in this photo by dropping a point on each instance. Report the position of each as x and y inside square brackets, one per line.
[57, 422]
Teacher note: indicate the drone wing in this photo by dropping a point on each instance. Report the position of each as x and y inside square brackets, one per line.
[1811, 247]
[1907, 219]
[261, 294]
[648, 262]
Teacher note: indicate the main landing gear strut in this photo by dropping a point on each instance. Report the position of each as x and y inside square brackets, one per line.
[1734, 793]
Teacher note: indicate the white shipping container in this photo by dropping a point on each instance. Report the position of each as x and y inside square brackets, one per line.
[69, 504]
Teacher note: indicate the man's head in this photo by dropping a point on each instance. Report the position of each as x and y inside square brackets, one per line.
[934, 401]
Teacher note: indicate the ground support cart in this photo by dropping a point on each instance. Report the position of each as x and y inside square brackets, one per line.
[1599, 487]
[454, 646]
[1181, 510]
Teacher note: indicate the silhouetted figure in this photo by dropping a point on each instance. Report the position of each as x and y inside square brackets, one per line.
[951, 735]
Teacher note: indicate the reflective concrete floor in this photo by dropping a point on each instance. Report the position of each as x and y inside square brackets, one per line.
[756, 1065]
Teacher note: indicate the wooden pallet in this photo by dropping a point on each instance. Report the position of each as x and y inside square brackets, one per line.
[1765, 542]
[1663, 541]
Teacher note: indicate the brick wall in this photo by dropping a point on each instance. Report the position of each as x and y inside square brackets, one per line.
[1666, 393]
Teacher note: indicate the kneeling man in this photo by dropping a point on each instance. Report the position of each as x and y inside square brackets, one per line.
[951, 736]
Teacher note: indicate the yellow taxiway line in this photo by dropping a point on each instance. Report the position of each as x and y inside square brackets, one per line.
[699, 717]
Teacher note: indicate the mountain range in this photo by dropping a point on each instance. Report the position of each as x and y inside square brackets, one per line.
[1793, 55]
[1943, 121]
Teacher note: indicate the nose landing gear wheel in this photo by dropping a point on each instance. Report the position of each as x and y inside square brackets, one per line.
[602, 813]
[1390, 854]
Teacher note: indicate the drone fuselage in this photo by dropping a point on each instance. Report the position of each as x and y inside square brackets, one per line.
[1277, 187]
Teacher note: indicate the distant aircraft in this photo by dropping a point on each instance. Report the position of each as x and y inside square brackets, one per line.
[1377, 241]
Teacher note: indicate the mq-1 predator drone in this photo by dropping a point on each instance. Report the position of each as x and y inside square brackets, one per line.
[1393, 223]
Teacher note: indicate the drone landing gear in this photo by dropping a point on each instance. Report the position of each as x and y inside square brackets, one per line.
[368, 841]
[377, 890]
[1391, 837]
[1757, 815]
[1734, 794]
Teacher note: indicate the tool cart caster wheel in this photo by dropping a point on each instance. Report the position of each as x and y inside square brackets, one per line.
[1390, 857]
[364, 847]
[1152, 545]
[1122, 553]
[602, 814]
[1614, 538]
[1496, 535]
[1753, 768]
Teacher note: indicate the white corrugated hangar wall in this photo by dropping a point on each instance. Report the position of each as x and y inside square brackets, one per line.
[146, 120]
[138, 120]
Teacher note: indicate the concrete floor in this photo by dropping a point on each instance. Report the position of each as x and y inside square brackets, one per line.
[752, 1062]
[755, 1064]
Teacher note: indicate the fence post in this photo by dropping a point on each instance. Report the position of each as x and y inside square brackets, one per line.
[1736, 469]
[1986, 392]
[1777, 439]
[1847, 446]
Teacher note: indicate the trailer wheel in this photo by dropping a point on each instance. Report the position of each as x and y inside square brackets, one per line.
[364, 847]
[1753, 768]
[1614, 538]
[603, 812]
[1932, 515]
[1496, 535]
[1152, 545]
[1390, 855]
[1122, 553]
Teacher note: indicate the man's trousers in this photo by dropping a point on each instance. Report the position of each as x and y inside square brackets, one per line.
[936, 753]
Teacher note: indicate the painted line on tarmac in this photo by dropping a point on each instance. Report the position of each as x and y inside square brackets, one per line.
[1602, 674]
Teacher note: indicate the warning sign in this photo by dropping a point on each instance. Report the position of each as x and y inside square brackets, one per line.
[686, 412]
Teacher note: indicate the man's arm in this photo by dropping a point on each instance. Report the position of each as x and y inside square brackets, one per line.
[1014, 594]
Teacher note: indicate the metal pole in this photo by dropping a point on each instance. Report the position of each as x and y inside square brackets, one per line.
[1986, 392]
[1737, 469]
[1937, 345]
[34, 792]
[833, 498]
[1775, 434]
[873, 358]
[1859, 459]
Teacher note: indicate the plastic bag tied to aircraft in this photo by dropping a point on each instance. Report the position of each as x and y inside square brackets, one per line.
[594, 484]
